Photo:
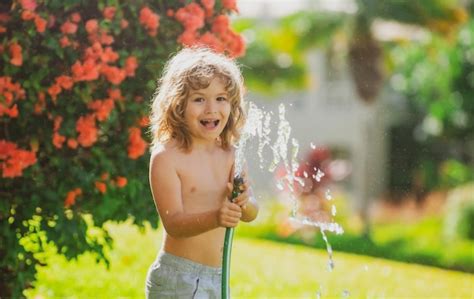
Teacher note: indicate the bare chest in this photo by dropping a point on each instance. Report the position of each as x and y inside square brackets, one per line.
[204, 181]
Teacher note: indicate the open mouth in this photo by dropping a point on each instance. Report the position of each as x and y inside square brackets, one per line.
[210, 124]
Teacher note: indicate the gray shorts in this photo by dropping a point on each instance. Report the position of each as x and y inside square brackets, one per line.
[172, 276]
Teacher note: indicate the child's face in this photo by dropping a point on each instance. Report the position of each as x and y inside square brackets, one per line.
[207, 111]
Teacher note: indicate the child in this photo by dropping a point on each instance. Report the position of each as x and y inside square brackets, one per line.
[196, 116]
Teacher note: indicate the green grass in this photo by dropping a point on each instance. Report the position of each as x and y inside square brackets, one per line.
[419, 242]
[260, 269]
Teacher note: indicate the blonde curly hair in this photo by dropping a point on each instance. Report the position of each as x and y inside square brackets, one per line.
[192, 69]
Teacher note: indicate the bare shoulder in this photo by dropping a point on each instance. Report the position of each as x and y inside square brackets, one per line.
[164, 157]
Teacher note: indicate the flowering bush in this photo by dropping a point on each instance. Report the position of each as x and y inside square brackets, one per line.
[75, 81]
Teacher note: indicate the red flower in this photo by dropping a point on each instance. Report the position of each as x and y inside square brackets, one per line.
[41, 104]
[64, 42]
[92, 26]
[69, 28]
[109, 55]
[220, 24]
[211, 41]
[12, 111]
[40, 24]
[102, 109]
[71, 197]
[115, 94]
[109, 12]
[57, 123]
[102, 187]
[58, 140]
[53, 91]
[28, 4]
[191, 16]
[188, 38]
[89, 71]
[64, 81]
[208, 6]
[144, 121]
[121, 181]
[10, 92]
[16, 55]
[14, 160]
[72, 143]
[123, 23]
[230, 4]
[113, 74]
[237, 45]
[27, 15]
[76, 17]
[106, 39]
[149, 20]
[136, 145]
[130, 66]
[87, 130]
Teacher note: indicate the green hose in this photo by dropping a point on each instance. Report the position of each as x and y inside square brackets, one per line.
[229, 235]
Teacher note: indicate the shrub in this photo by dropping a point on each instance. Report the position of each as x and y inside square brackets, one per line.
[75, 80]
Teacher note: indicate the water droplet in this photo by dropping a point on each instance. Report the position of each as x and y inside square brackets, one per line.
[318, 175]
[313, 146]
[328, 194]
[305, 174]
[318, 294]
[279, 186]
[345, 294]
[333, 210]
[366, 268]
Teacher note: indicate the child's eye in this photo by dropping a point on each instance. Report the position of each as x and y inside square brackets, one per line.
[199, 100]
[221, 99]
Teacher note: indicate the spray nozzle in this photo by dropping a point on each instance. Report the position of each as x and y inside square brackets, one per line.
[238, 186]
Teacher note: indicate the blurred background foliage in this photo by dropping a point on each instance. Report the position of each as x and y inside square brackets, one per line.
[431, 148]
[434, 147]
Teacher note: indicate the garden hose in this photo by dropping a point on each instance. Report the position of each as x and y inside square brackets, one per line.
[229, 235]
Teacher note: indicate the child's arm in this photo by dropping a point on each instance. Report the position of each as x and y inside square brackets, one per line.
[166, 191]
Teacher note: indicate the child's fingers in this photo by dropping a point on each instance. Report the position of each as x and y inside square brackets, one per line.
[242, 199]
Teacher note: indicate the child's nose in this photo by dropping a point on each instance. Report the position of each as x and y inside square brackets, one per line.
[211, 107]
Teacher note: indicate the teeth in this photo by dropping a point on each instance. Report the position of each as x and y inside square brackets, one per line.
[210, 123]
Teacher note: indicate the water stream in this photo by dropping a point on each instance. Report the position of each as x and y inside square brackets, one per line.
[285, 152]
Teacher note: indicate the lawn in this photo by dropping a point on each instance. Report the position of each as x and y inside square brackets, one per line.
[260, 269]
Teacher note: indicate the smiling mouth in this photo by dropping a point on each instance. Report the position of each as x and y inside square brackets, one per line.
[210, 123]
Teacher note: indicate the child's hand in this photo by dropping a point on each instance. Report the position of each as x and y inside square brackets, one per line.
[243, 197]
[229, 214]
